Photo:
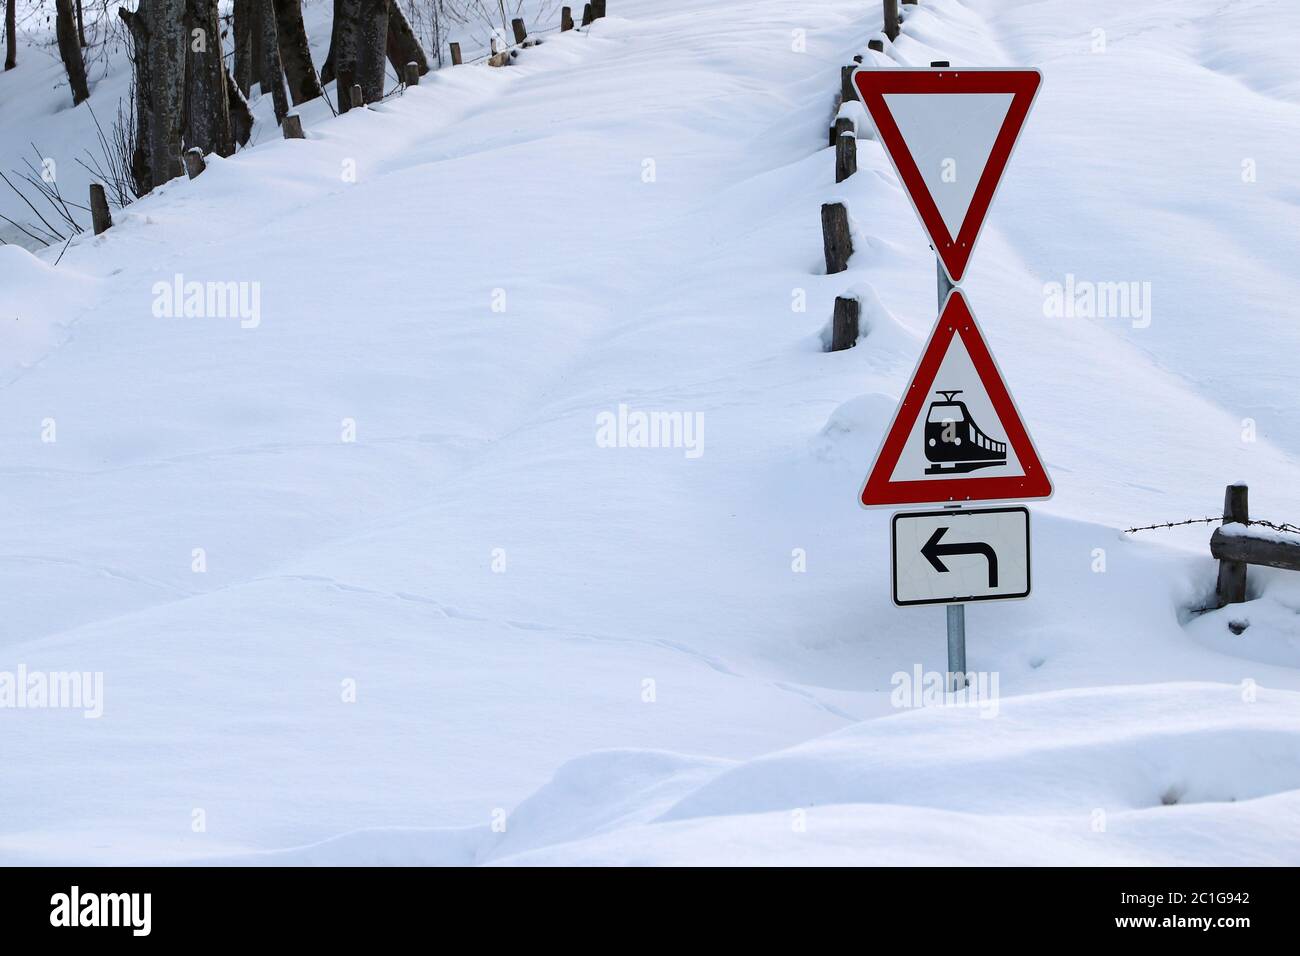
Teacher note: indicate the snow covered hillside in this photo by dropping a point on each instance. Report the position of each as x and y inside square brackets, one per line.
[365, 585]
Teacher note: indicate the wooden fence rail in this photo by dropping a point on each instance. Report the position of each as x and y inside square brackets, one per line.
[1236, 546]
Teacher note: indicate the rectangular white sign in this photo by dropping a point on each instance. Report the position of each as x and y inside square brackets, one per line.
[958, 555]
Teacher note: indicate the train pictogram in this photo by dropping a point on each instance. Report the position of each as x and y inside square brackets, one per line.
[954, 444]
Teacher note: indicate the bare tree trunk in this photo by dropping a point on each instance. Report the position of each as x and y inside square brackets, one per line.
[165, 26]
[241, 117]
[11, 36]
[403, 47]
[372, 44]
[272, 71]
[295, 52]
[81, 27]
[141, 165]
[343, 49]
[245, 28]
[207, 107]
[66, 31]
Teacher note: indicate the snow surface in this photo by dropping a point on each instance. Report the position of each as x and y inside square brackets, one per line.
[646, 678]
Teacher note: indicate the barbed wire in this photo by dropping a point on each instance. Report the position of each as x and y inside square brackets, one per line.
[1171, 524]
[1284, 526]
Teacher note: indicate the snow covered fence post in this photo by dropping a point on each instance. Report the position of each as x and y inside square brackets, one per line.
[566, 19]
[358, 97]
[877, 45]
[99, 215]
[842, 125]
[194, 163]
[1231, 587]
[597, 9]
[586, 15]
[846, 155]
[847, 94]
[412, 74]
[455, 54]
[292, 127]
[891, 20]
[836, 241]
[521, 31]
[844, 323]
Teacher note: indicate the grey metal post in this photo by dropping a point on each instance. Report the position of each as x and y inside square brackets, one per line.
[956, 612]
[957, 645]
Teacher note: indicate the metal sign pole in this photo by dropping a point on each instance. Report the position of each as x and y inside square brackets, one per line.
[956, 612]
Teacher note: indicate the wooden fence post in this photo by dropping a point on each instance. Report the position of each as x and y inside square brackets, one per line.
[358, 97]
[99, 215]
[566, 19]
[455, 54]
[878, 45]
[194, 163]
[844, 324]
[586, 15]
[292, 127]
[521, 31]
[597, 9]
[841, 126]
[847, 93]
[891, 20]
[412, 74]
[837, 243]
[846, 156]
[1232, 574]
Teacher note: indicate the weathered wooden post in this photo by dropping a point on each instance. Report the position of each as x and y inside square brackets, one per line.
[877, 44]
[844, 324]
[194, 163]
[358, 97]
[846, 156]
[910, 3]
[597, 9]
[566, 19]
[99, 215]
[521, 31]
[847, 93]
[841, 126]
[292, 127]
[586, 15]
[837, 243]
[891, 20]
[412, 71]
[455, 55]
[1232, 574]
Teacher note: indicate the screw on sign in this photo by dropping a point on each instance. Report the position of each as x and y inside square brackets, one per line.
[957, 435]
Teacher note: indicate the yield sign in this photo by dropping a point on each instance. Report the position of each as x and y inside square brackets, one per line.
[949, 134]
[957, 435]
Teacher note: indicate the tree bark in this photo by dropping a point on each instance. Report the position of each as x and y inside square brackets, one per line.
[241, 117]
[342, 61]
[272, 71]
[11, 36]
[295, 52]
[141, 164]
[372, 46]
[81, 27]
[65, 29]
[245, 28]
[207, 106]
[165, 24]
[403, 47]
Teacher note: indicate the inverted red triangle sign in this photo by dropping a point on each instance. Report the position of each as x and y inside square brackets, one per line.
[957, 435]
[949, 134]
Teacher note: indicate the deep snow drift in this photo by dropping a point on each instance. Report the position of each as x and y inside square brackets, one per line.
[364, 586]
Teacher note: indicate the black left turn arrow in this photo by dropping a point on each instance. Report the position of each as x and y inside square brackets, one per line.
[933, 551]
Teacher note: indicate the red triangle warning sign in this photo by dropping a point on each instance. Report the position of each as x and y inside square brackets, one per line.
[957, 435]
[949, 134]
